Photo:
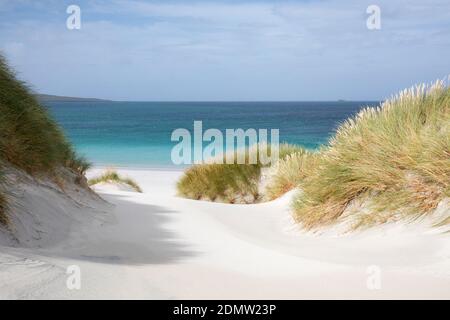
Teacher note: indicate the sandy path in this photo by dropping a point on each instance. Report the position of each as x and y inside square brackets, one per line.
[155, 245]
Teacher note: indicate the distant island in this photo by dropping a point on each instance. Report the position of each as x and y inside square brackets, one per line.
[49, 97]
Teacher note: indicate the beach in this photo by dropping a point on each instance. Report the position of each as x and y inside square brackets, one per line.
[155, 245]
[224, 150]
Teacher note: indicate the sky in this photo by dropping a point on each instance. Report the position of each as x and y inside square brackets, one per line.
[226, 50]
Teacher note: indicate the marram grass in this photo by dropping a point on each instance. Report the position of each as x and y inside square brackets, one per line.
[394, 159]
[29, 138]
[111, 176]
[227, 182]
[397, 156]
[289, 172]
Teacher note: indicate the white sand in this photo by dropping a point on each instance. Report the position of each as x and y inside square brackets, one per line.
[156, 245]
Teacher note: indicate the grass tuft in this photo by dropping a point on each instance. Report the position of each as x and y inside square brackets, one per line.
[227, 182]
[29, 137]
[289, 172]
[397, 155]
[78, 164]
[111, 176]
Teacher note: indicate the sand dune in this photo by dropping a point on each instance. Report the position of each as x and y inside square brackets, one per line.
[155, 245]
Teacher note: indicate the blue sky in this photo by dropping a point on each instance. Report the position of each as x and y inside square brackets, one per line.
[226, 50]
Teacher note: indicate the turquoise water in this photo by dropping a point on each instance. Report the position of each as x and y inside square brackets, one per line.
[138, 133]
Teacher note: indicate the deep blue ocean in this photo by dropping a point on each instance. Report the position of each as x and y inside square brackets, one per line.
[138, 133]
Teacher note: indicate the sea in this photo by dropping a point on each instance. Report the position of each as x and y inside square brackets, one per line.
[138, 134]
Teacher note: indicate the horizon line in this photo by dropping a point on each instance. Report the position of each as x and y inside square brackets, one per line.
[56, 98]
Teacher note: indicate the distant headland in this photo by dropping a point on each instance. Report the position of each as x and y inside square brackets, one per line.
[49, 97]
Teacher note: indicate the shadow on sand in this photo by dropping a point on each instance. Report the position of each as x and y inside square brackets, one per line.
[134, 235]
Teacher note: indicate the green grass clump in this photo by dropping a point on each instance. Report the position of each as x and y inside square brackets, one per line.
[227, 182]
[111, 176]
[29, 138]
[397, 156]
[289, 172]
[78, 163]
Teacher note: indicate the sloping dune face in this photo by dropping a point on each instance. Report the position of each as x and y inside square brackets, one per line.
[42, 212]
[30, 140]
